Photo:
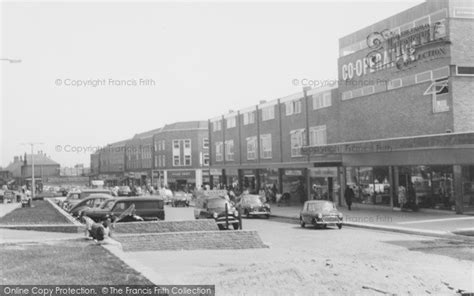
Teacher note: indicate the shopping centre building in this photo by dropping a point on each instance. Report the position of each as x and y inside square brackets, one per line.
[401, 115]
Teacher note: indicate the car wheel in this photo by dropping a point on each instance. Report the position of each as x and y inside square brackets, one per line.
[339, 225]
[221, 227]
[236, 226]
[325, 226]
[302, 224]
[267, 216]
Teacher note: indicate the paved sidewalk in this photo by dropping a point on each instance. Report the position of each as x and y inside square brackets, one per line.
[6, 208]
[424, 223]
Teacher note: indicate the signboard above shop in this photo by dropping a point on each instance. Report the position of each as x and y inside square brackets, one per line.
[181, 174]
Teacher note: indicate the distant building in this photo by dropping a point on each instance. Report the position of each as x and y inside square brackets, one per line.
[44, 167]
[77, 170]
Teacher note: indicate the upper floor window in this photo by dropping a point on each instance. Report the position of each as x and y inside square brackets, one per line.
[249, 117]
[293, 107]
[219, 152]
[230, 122]
[229, 150]
[318, 135]
[266, 146]
[268, 113]
[251, 148]
[438, 90]
[298, 140]
[205, 143]
[205, 159]
[217, 125]
[322, 100]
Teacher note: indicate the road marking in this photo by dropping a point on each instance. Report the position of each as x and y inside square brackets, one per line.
[436, 220]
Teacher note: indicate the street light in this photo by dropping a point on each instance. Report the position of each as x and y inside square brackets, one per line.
[33, 187]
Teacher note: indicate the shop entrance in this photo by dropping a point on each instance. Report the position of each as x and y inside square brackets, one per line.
[324, 183]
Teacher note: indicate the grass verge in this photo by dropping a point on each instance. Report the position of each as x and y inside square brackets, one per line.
[74, 262]
[40, 212]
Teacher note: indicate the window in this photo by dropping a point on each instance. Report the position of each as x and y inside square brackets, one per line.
[368, 90]
[467, 71]
[395, 83]
[422, 77]
[322, 100]
[163, 161]
[298, 140]
[158, 161]
[205, 159]
[205, 143]
[176, 144]
[251, 148]
[187, 144]
[230, 122]
[219, 152]
[266, 146]
[187, 160]
[268, 113]
[347, 95]
[229, 150]
[176, 160]
[437, 90]
[318, 135]
[293, 107]
[217, 125]
[249, 117]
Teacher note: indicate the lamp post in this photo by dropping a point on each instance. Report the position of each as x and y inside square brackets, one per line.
[33, 187]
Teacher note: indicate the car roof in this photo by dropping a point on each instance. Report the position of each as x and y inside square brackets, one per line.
[138, 199]
[95, 190]
[318, 201]
[98, 195]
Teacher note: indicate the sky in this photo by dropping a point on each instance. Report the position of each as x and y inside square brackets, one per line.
[94, 73]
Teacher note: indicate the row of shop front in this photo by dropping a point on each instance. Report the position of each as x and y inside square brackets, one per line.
[436, 176]
[176, 179]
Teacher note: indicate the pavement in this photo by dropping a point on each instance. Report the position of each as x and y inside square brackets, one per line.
[430, 223]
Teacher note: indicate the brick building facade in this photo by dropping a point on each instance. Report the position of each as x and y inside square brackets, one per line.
[402, 115]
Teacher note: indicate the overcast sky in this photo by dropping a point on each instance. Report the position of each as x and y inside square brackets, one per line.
[196, 61]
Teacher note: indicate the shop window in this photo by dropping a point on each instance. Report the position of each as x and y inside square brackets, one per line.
[318, 135]
[266, 146]
[219, 152]
[268, 113]
[249, 117]
[251, 148]
[229, 150]
[370, 184]
[298, 140]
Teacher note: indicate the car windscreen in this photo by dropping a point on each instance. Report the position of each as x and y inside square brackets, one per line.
[73, 196]
[107, 205]
[216, 203]
[321, 206]
[253, 200]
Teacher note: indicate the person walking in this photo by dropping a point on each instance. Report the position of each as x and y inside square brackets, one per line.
[349, 196]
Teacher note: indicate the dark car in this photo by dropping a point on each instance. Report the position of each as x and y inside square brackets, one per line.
[124, 191]
[320, 213]
[149, 208]
[215, 208]
[93, 201]
[251, 205]
[75, 197]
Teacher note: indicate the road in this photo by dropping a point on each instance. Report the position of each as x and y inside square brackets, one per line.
[319, 261]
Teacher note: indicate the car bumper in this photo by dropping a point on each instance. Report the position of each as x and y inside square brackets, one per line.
[257, 213]
[222, 220]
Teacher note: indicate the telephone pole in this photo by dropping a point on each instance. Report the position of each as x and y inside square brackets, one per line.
[33, 187]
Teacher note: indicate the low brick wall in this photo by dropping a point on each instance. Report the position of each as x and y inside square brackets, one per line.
[166, 226]
[67, 228]
[204, 240]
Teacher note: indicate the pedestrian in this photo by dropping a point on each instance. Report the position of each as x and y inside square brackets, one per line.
[402, 196]
[101, 233]
[349, 196]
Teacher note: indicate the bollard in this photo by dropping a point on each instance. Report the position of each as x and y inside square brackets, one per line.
[240, 220]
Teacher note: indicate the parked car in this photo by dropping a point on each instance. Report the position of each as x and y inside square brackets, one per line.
[149, 208]
[180, 199]
[320, 213]
[251, 205]
[93, 201]
[214, 208]
[74, 198]
[124, 191]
